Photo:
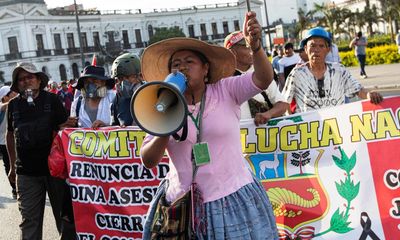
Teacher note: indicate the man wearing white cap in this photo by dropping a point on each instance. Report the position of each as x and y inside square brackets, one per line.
[5, 96]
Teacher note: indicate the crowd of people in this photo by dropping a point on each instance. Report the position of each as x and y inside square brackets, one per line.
[224, 85]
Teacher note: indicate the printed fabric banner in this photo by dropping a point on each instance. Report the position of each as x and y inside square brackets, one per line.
[110, 188]
[329, 174]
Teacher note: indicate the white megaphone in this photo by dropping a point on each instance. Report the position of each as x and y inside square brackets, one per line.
[159, 107]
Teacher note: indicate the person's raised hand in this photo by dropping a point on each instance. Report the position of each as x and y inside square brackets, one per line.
[252, 31]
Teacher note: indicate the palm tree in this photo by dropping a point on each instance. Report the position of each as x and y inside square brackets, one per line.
[390, 12]
[304, 22]
[370, 16]
[333, 17]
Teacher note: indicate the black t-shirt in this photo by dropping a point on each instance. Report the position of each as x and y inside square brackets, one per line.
[33, 128]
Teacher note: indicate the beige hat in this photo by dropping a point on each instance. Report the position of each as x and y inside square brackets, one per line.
[30, 68]
[4, 90]
[155, 58]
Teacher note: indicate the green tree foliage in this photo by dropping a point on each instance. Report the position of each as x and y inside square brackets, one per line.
[390, 12]
[165, 33]
[305, 20]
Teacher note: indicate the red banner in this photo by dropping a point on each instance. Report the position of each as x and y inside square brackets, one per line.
[111, 190]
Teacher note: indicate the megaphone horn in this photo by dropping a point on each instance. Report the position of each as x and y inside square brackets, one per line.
[159, 107]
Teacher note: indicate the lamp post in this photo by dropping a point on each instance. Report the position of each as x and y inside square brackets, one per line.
[269, 33]
[79, 35]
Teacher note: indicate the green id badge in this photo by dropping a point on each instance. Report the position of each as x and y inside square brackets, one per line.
[201, 154]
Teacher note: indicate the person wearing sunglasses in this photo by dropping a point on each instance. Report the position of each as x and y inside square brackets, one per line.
[319, 84]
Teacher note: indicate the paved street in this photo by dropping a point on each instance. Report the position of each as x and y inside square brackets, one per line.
[381, 76]
[10, 216]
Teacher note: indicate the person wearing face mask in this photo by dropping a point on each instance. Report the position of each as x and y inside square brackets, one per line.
[126, 71]
[32, 120]
[92, 108]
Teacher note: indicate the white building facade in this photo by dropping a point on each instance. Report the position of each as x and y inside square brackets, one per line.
[49, 39]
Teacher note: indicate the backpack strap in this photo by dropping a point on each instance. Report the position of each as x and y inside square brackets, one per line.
[78, 106]
[264, 94]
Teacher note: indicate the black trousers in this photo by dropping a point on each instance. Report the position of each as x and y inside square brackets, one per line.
[6, 162]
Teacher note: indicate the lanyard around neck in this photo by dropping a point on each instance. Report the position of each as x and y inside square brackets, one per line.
[198, 123]
[198, 119]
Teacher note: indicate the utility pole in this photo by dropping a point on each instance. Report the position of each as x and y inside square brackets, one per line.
[79, 35]
[269, 33]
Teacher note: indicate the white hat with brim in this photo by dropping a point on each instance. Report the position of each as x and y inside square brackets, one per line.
[30, 68]
[4, 90]
[155, 58]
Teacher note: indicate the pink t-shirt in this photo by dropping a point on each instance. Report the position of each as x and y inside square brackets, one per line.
[227, 171]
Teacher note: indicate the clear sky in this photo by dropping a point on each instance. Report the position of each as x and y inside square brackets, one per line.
[133, 4]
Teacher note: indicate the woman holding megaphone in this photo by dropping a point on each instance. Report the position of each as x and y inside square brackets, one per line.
[207, 169]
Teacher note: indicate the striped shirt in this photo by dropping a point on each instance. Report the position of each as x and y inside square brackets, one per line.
[302, 86]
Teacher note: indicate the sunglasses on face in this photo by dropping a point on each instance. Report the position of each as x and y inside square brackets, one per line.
[321, 91]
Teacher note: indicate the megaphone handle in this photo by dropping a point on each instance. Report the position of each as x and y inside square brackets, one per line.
[184, 133]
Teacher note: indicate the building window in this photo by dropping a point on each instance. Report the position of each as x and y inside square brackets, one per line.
[236, 24]
[214, 28]
[96, 41]
[13, 45]
[75, 70]
[125, 39]
[110, 35]
[203, 29]
[57, 41]
[150, 30]
[138, 35]
[84, 40]
[63, 72]
[39, 42]
[70, 40]
[225, 27]
[191, 31]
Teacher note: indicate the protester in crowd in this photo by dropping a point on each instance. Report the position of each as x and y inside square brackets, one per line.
[333, 55]
[320, 84]
[93, 107]
[287, 63]
[302, 54]
[65, 96]
[275, 62]
[398, 40]
[53, 87]
[126, 71]
[275, 50]
[5, 96]
[269, 103]
[360, 44]
[33, 118]
[72, 86]
[232, 203]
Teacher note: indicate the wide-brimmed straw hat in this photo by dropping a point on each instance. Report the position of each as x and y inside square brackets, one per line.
[97, 73]
[30, 68]
[156, 57]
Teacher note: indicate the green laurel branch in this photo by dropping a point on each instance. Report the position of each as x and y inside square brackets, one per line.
[348, 190]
